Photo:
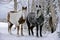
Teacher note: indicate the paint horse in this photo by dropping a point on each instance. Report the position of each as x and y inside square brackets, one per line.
[17, 18]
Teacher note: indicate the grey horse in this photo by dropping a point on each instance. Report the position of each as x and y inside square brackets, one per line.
[32, 22]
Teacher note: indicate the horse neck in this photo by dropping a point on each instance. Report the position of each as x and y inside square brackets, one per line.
[41, 16]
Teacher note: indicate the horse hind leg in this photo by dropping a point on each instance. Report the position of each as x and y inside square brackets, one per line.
[9, 27]
[37, 30]
[32, 30]
[29, 31]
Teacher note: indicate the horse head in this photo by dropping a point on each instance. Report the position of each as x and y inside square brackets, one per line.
[40, 19]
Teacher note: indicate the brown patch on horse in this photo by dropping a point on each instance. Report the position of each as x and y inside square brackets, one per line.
[21, 20]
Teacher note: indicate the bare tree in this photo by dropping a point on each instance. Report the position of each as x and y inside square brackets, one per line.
[5, 1]
[33, 6]
[15, 5]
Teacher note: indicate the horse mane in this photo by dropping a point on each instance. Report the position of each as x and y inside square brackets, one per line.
[13, 11]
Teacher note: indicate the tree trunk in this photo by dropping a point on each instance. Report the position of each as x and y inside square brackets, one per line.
[15, 5]
[53, 13]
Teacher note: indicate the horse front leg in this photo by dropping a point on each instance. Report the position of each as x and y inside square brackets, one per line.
[29, 31]
[28, 24]
[37, 30]
[9, 27]
[22, 29]
[41, 30]
[18, 30]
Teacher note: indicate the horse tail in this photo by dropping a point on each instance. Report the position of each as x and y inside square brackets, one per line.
[8, 17]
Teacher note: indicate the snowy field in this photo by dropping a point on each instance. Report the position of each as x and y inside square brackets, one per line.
[4, 35]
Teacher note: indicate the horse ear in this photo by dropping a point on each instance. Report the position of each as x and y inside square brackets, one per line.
[36, 5]
[39, 6]
[24, 8]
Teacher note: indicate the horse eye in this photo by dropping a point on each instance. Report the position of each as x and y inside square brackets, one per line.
[36, 5]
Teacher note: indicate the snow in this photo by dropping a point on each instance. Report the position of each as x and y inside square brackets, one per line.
[4, 35]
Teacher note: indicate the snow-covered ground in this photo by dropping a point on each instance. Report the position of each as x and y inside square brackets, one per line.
[4, 35]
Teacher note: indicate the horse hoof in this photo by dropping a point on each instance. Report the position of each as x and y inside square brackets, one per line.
[37, 35]
[29, 34]
[40, 35]
[10, 33]
[33, 35]
[22, 35]
[17, 35]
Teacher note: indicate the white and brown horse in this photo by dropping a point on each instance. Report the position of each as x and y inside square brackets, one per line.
[17, 18]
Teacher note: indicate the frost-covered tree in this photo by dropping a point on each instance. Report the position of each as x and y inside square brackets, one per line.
[5, 1]
[58, 14]
[15, 5]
